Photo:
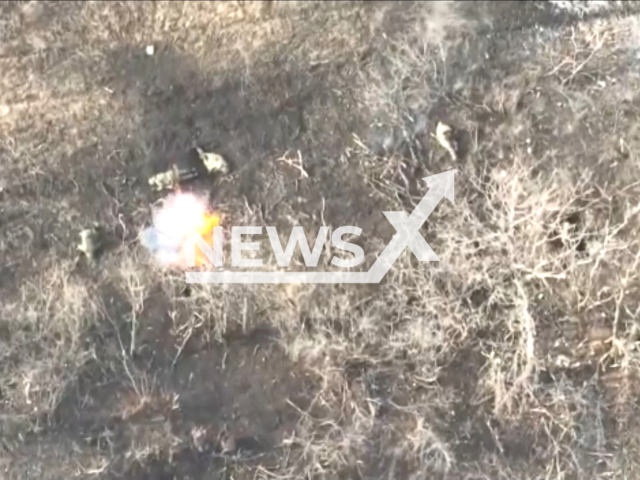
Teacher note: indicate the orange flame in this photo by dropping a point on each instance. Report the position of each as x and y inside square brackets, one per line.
[175, 222]
[205, 230]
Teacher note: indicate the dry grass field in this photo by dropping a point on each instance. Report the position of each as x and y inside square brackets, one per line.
[516, 356]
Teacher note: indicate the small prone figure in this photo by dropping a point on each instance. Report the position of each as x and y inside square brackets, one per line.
[172, 178]
[211, 163]
[445, 137]
[91, 241]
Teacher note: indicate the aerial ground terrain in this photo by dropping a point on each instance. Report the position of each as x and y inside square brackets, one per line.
[515, 356]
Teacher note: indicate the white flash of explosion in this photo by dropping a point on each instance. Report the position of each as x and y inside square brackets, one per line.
[176, 218]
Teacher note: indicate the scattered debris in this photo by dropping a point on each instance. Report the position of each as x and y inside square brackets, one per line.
[90, 242]
[150, 50]
[213, 162]
[444, 135]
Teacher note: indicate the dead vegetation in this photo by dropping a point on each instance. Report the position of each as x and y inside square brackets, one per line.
[515, 356]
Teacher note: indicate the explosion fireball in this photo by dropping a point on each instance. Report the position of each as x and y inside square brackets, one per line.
[173, 224]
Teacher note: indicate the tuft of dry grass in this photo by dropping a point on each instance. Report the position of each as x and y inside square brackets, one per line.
[44, 341]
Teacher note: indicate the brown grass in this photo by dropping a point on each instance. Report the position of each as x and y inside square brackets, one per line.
[514, 356]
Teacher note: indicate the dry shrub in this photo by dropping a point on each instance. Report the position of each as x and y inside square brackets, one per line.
[45, 332]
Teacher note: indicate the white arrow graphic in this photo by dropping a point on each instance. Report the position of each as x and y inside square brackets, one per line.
[408, 235]
[408, 228]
